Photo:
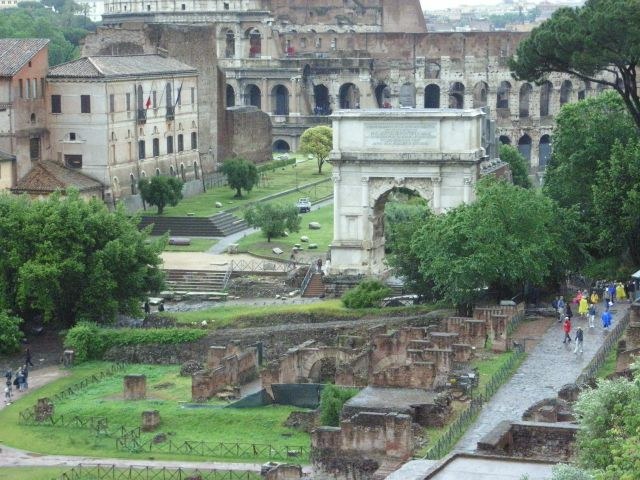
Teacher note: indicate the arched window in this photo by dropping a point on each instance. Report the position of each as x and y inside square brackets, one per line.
[565, 92]
[432, 96]
[456, 95]
[33, 118]
[383, 96]
[280, 96]
[502, 97]
[230, 44]
[544, 151]
[504, 140]
[546, 89]
[480, 91]
[231, 96]
[157, 172]
[525, 99]
[255, 43]
[349, 96]
[322, 103]
[524, 146]
[196, 172]
[194, 141]
[172, 172]
[253, 96]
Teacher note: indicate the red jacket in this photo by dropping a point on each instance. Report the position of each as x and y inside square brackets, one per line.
[567, 326]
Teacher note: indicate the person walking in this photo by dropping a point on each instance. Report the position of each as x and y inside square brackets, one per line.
[25, 376]
[592, 315]
[606, 319]
[595, 298]
[27, 357]
[579, 339]
[561, 307]
[568, 312]
[567, 330]
[607, 297]
[583, 307]
[147, 307]
[19, 380]
[7, 387]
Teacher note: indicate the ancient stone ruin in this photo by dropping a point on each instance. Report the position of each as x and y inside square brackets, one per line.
[135, 387]
[150, 420]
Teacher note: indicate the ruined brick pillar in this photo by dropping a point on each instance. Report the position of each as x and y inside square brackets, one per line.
[43, 409]
[135, 387]
[150, 420]
[215, 354]
[200, 390]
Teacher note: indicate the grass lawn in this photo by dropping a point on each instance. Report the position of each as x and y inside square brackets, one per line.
[197, 245]
[251, 316]
[271, 182]
[609, 365]
[165, 389]
[32, 473]
[256, 243]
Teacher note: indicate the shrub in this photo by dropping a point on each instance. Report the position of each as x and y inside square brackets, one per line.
[367, 294]
[10, 334]
[331, 402]
[90, 342]
[275, 164]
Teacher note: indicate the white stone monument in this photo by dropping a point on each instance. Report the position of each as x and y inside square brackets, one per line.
[435, 152]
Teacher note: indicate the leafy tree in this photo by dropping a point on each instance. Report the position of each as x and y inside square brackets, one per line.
[367, 294]
[161, 191]
[273, 219]
[65, 258]
[609, 436]
[507, 238]
[241, 175]
[616, 199]
[602, 35]
[10, 334]
[518, 165]
[331, 401]
[317, 141]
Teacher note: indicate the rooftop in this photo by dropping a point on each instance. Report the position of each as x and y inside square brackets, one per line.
[106, 66]
[47, 177]
[16, 52]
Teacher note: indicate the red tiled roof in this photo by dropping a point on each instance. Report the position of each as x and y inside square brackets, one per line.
[16, 52]
[47, 177]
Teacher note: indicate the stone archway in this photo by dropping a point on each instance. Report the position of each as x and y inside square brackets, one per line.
[377, 151]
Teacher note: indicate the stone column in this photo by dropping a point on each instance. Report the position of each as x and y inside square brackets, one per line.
[336, 211]
[467, 190]
[135, 387]
[266, 96]
[294, 107]
[436, 181]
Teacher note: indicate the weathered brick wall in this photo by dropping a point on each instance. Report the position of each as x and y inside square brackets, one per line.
[250, 133]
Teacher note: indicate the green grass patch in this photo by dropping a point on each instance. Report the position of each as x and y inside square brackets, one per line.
[197, 245]
[271, 182]
[165, 389]
[609, 365]
[33, 473]
[256, 243]
[250, 316]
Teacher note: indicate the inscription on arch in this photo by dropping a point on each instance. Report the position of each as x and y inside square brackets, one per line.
[402, 134]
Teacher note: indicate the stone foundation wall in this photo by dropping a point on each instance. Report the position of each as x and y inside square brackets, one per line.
[237, 368]
[250, 132]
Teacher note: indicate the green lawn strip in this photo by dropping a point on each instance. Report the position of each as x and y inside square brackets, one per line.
[323, 311]
[609, 365]
[164, 390]
[271, 182]
[32, 473]
[256, 243]
[488, 365]
[197, 245]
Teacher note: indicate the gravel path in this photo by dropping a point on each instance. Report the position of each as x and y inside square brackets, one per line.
[546, 369]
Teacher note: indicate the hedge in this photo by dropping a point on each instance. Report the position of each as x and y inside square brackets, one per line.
[90, 342]
[266, 167]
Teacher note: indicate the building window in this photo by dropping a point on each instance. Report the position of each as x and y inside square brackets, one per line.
[141, 149]
[128, 97]
[183, 7]
[157, 172]
[28, 88]
[169, 144]
[194, 140]
[72, 136]
[56, 104]
[85, 104]
[193, 95]
[21, 87]
[33, 118]
[226, 5]
[156, 147]
[34, 149]
[180, 143]
[73, 161]
[112, 103]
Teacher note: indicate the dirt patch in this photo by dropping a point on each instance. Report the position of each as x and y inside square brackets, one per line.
[530, 332]
[163, 386]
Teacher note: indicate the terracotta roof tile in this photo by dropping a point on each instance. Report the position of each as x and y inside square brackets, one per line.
[104, 66]
[16, 52]
[48, 176]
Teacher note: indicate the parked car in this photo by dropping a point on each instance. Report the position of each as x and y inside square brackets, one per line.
[304, 205]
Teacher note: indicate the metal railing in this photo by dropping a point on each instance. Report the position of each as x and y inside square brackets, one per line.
[227, 276]
[596, 362]
[307, 278]
[454, 431]
[265, 266]
[112, 472]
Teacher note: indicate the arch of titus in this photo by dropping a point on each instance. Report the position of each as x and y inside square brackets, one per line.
[435, 152]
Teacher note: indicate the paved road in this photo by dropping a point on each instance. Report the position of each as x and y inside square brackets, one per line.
[546, 369]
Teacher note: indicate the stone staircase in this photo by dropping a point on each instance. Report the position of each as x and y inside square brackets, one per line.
[315, 288]
[220, 225]
[194, 280]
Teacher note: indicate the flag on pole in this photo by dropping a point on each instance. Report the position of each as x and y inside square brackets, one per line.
[148, 104]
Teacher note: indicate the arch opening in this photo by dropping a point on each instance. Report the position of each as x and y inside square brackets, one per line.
[544, 151]
[432, 96]
[322, 103]
[525, 99]
[524, 147]
[504, 140]
[480, 94]
[229, 44]
[230, 96]
[255, 43]
[502, 96]
[349, 96]
[566, 89]
[323, 371]
[280, 146]
[383, 96]
[407, 98]
[546, 89]
[456, 95]
[280, 96]
[253, 96]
